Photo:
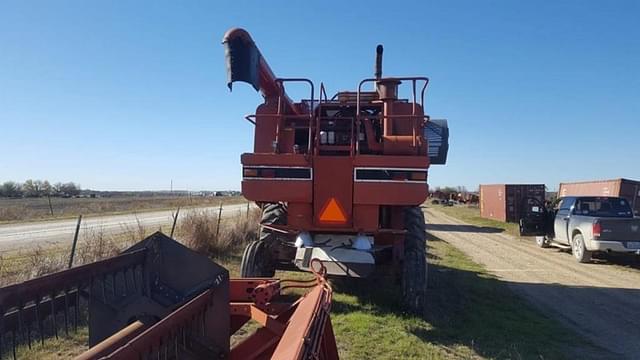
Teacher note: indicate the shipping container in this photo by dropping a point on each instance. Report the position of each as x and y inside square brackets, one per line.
[505, 202]
[625, 188]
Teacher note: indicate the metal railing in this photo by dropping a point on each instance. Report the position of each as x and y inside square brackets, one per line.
[314, 121]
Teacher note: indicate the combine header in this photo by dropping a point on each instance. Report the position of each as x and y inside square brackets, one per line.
[160, 300]
[339, 179]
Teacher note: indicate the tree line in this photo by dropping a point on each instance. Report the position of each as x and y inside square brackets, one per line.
[38, 188]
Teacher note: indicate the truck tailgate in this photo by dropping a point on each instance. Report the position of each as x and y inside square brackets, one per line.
[620, 229]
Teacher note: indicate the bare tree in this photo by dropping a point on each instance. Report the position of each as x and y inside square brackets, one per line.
[70, 189]
[10, 189]
[30, 188]
[34, 188]
[38, 188]
[46, 188]
[57, 189]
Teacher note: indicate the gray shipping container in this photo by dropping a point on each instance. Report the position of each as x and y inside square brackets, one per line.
[505, 202]
[625, 188]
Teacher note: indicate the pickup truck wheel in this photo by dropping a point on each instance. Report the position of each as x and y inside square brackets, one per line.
[542, 242]
[579, 250]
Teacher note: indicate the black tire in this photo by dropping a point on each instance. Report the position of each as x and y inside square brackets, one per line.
[542, 241]
[256, 261]
[414, 266]
[272, 214]
[579, 250]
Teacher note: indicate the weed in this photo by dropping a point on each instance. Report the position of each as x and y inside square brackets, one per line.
[203, 232]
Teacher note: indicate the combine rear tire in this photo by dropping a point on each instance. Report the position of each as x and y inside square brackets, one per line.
[272, 214]
[256, 261]
[414, 267]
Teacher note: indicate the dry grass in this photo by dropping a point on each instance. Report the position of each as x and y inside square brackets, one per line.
[98, 246]
[202, 232]
[198, 230]
[41, 260]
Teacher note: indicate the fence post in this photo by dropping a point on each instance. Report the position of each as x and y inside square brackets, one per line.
[175, 220]
[219, 217]
[248, 210]
[75, 241]
[50, 207]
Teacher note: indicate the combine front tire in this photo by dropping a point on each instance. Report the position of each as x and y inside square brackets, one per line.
[256, 261]
[414, 267]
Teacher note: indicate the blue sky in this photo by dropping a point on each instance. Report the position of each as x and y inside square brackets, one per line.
[129, 95]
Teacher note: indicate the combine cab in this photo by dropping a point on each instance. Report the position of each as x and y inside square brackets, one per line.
[339, 178]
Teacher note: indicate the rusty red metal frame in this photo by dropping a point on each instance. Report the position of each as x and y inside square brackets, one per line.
[31, 308]
[301, 330]
[289, 330]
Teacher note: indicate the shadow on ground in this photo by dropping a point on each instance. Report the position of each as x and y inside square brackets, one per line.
[464, 228]
[472, 309]
[631, 261]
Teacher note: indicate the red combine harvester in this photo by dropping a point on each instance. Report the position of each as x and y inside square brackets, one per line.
[340, 182]
[338, 179]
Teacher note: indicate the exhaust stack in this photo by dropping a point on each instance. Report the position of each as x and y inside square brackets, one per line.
[378, 66]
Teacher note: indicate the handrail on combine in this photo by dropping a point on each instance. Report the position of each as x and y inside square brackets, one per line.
[283, 104]
[414, 80]
[283, 95]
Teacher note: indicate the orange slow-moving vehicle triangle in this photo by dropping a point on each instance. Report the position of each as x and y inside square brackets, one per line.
[333, 212]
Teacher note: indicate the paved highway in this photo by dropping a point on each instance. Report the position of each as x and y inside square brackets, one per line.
[19, 235]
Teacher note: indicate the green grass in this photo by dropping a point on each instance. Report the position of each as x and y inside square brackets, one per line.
[469, 315]
[471, 215]
[65, 347]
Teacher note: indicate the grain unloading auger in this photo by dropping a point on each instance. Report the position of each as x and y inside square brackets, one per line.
[339, 179]
[161, 300]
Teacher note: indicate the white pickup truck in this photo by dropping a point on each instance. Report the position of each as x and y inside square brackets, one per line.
[585, 224]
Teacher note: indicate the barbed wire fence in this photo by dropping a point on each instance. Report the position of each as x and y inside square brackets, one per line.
[96, 241]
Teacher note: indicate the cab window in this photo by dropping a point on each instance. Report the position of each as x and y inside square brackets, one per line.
[564, 207]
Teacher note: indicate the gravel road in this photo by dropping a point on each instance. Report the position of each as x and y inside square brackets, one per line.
[598, 300]
[58, 231]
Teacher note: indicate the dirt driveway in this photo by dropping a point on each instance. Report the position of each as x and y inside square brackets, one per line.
[599, 300]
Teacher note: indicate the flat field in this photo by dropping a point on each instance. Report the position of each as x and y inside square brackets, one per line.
[29, 209]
